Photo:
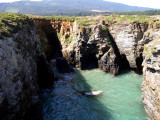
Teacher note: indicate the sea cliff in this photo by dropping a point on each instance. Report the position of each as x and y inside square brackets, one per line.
[31, 46]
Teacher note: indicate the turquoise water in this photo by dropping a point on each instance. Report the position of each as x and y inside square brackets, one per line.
[121, 98]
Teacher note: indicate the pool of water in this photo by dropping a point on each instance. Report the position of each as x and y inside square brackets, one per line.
[121, 98]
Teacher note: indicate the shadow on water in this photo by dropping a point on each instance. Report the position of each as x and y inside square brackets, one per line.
[65, 101]
[123, 72]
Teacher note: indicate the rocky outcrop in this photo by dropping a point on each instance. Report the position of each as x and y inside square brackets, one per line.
[127, 37]
[19, 98]
[150, 86]
[101, 45]
[109, 47]
[88, 47]
[109, 62]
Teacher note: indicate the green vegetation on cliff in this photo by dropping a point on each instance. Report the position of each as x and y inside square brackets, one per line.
[90, 21]
[86, 22]
[150, 49]
[118, 19]
[104, 28]
[11, 22]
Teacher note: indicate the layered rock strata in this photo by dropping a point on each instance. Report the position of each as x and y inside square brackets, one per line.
[151, 77]
[127, 37]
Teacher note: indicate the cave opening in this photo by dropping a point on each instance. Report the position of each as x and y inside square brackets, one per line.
[90, 61]
[139, 62]
[125, 63]
[54, 46]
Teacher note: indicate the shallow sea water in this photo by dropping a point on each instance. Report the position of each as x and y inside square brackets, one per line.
[120, 99]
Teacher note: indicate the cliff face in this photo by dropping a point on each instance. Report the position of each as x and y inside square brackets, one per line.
[26, 56]
[19, 99]
[127, 37]
[88, 47]
[110, 47]
[150, 86]
[126, 41]
[131, 38]
[115, 47]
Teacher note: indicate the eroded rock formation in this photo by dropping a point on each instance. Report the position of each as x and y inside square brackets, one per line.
[25, 60]
[88, 47]
[110, 47]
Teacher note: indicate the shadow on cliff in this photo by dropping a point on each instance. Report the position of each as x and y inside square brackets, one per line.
[51, 46]
[55, 50]
[66, 102]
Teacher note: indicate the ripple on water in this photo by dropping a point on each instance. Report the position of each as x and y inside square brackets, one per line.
[121, 99]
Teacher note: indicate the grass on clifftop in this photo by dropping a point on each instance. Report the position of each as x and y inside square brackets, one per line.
[58, 18]
[82, 21]
[10, 23]
[90, 21]
[87, 22]
[118, 19]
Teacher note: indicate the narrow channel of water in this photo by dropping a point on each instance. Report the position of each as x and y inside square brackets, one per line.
[121, 98]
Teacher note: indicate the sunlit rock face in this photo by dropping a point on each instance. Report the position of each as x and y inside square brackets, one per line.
[115, 46]
[127, 37]
[150, 86]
